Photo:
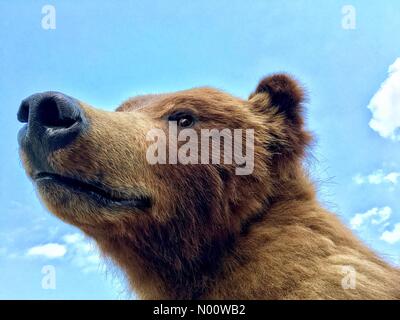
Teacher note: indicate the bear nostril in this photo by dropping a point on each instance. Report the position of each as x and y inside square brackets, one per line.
[23, 112]
[53, 121]
[52, 113]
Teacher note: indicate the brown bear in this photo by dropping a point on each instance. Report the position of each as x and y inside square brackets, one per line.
[199, 231]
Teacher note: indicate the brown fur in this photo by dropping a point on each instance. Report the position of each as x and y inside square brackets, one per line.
[211, 233]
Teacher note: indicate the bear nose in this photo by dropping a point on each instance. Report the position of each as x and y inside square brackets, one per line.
[53, 120]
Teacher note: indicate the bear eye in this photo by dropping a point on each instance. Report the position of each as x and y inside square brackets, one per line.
[184, 120]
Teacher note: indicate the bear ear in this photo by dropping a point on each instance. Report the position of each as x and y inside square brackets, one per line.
[284, 93]
[281, 93]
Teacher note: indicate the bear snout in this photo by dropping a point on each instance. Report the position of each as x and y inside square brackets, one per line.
[52, 120]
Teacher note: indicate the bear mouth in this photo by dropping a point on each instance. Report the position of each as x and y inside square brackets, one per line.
[95, 190]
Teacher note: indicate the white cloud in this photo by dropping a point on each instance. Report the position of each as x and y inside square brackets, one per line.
[49, 250]
[375, 216]
[392, 236]
[378, 177]
[83, 253]
[73, 238]
[359, 179]
[385, 105]
[393, 177]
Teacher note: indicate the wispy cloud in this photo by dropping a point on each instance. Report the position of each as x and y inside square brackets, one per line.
[385, 105]
[393, 236]
[73, 238]
[378, 177]
[73, 247]
[83, 253]
[49, 250]
[375, 216]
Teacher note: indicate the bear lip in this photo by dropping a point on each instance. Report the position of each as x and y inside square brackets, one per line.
[96, 190]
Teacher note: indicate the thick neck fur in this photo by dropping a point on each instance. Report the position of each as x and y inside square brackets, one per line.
[282, 250]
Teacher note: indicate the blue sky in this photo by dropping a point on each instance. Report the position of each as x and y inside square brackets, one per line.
[102, 52]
